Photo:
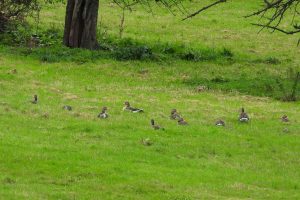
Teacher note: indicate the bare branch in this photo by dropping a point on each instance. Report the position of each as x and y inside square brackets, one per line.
[277, 29]
[203, 9]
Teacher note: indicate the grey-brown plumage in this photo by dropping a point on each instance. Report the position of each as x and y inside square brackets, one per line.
[220, 123]
[146, 142]
[68, 108]
[174, 115]
[103, 114]
[35, 99]
[127, 107]
[154, 126]
[285, 118]
[243, 116]
[181, 121]
[13, 71]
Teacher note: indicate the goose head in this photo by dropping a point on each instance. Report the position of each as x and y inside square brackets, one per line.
[152, 122]
[173, 111]
[104, 109]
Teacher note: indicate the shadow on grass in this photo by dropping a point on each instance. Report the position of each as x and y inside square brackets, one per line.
[264, 86]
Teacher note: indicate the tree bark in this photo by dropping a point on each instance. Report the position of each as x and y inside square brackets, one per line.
[81, 24]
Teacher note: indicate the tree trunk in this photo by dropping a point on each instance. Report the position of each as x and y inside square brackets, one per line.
[81, 23]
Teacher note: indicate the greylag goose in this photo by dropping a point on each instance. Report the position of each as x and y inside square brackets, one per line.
[127, 107]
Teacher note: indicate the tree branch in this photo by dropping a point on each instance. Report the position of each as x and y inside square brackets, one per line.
[203, 9]
[277, 29]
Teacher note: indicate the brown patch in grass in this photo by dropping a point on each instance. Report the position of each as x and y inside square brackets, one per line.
[69, 96]
[56, 90]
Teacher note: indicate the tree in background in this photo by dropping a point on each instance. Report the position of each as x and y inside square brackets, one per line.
[81, 17]
[81, 23]
[275, 13]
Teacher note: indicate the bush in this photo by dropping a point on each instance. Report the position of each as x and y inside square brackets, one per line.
[206, 54]
[272, 60]
[12, 11]
[133, 53]
[227, 53]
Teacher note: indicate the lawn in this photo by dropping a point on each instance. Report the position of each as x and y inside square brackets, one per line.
[50, 153]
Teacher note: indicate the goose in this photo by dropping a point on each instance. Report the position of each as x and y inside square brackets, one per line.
[146, 142]
[13, 71]
[127, 107]
[181, 121]
[285, 118]
[174, 115]
[243, 116]
[66, 107]
[220, 123]
[103, 114]
[35, 99]
[155, 127]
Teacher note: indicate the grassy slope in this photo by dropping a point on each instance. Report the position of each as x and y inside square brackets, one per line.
[223, 26]
[47, 153]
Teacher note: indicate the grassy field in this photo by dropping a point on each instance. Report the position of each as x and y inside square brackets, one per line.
[49, 153]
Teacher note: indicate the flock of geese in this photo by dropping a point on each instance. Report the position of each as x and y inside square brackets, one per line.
[244, 118]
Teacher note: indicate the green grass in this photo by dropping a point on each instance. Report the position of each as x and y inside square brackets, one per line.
[49, 153]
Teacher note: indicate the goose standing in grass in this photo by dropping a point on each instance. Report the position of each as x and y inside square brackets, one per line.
[182, 122]
[174, 115]
[35, 99]
[285, 118]
[220, 123]
[66, 107]
[127, 107]
[103, 114]
[243, 116]
[154, 126]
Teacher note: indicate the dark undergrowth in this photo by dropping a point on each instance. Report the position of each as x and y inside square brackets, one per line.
[47, 48]
[278, 87]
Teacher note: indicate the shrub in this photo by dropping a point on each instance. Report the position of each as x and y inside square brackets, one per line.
[227, 53]
[133, 53]
[15, 11]
[272, 60]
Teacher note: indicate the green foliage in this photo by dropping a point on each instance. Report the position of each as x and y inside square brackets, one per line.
[263, 85]
[63, 54]
[205, 54]
[14, 11]
[16, 34]
[50, 37]
[227, 53]
[120, 49]
[20, 35]
[268, 60]
[133, 53]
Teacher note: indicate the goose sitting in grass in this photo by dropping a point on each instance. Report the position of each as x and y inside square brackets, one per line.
[66, 107]
[182, 122]
[154, 126]
[35, 99]
[243, 116]
[285, 118]
[146, 142]
[174, 115]
[103, 114]
[127, 107]
[220, 123]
